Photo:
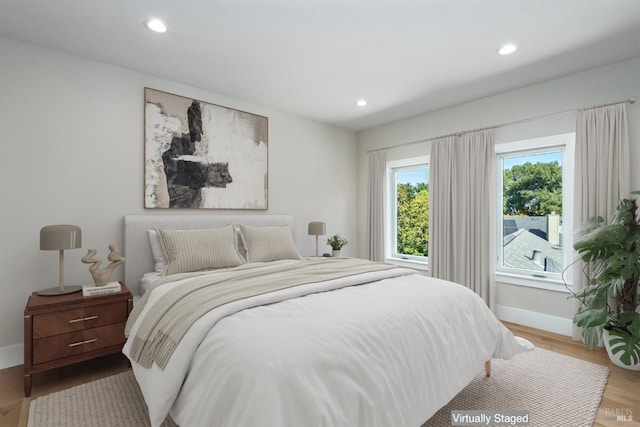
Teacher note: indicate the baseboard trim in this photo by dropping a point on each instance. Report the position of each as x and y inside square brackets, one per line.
[11, 355]
[546, 322]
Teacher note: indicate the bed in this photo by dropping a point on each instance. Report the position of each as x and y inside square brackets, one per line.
[283, 340]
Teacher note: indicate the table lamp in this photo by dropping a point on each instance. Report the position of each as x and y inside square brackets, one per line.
[317, 228]
[59, 238]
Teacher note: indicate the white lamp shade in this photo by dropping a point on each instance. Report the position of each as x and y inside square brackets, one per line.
[317, 228]
[60, 237]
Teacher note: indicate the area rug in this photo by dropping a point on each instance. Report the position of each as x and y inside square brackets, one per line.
[114, 401]
[555, 389]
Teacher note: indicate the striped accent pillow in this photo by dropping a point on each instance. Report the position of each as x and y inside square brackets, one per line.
[268, 243]
[193, 250]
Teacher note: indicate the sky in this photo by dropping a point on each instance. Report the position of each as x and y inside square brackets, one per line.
[413, 176]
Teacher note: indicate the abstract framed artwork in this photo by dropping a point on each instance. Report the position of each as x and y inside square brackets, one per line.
[203, 156]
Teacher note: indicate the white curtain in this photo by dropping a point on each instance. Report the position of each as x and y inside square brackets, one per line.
[602, 172]
[376, 198]
[462, 212]
[441, 165]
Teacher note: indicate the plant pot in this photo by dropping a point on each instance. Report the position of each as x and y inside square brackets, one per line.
[335, 252]
[615, 358]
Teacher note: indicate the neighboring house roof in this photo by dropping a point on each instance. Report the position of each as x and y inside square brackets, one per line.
[536, 224]
[518, 252]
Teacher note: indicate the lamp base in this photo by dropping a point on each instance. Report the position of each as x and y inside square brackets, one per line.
[51, 292]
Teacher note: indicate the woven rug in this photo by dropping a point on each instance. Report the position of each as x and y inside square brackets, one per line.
[114, 401]
[556, 390]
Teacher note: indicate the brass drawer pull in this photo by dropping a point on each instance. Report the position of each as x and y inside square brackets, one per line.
[75, 344]
[82, 319]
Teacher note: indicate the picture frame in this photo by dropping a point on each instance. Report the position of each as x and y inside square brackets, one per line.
[200, 155]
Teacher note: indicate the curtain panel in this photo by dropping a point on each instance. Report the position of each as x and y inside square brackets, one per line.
[462, 211]
[602, 173]
[376, 198]
[441, 191]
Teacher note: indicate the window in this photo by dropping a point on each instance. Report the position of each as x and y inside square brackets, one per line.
[535, 181]
[408, 209]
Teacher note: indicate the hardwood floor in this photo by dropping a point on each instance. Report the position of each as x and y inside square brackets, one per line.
[14, 407]
[621, 395]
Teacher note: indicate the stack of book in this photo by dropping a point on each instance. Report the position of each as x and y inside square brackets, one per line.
[91, 290]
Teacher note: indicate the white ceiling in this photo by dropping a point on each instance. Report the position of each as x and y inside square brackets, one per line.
[315, 58]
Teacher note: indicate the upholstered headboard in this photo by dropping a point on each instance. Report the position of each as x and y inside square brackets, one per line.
[136, 241]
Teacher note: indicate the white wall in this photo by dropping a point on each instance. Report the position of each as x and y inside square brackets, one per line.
[72, 152]
[539, 308]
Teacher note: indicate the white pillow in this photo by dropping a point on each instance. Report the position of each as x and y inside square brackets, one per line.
[268, 243]
[194, 250]
[156, 251]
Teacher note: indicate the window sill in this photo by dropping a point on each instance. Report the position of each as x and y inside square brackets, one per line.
[533, 282]
[416, 265]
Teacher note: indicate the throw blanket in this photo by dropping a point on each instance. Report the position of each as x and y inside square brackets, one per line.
[170, 318]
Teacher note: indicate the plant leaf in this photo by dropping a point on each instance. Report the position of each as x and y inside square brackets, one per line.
[627, 345]
[592, 223]
[624, 212]
[601, 242]
[592, 336]
[588, 317]
[622, 263]
[631, 321]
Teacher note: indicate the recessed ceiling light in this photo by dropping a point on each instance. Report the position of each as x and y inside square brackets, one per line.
[361, 102]
[156, 25]
[507, 49]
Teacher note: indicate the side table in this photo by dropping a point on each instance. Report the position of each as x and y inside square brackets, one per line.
[66, 329]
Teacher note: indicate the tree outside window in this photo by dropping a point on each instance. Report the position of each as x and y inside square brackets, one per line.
[533, 188]
[413, 219]
[410, 211]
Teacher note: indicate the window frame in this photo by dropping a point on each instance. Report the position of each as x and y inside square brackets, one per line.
[391, 244]
[561, 282]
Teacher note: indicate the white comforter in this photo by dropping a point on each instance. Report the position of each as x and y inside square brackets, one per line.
[387, 353]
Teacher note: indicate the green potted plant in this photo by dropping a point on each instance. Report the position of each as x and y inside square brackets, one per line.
[608, 304]
[336, 242]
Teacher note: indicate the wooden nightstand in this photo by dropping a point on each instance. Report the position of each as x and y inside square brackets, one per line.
[66, 329]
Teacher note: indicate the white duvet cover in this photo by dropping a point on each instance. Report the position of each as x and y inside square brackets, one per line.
[387, 353]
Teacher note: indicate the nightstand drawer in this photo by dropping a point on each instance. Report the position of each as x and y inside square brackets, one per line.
[61, 346]
[62, 322]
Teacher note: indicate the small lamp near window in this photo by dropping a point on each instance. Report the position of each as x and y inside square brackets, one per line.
[59, 238]
[317, 228]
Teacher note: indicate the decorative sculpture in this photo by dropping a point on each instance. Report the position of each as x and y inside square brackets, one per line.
[101, 276]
